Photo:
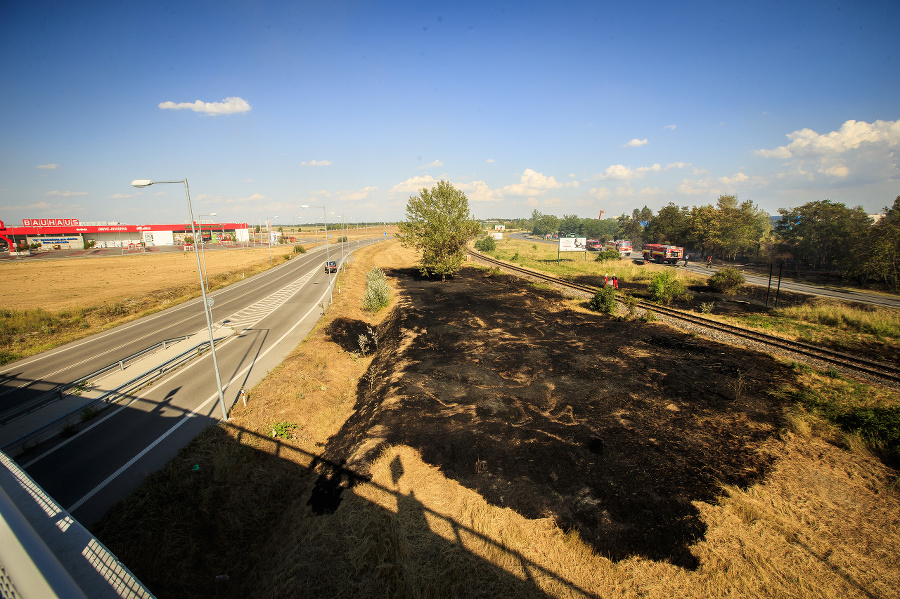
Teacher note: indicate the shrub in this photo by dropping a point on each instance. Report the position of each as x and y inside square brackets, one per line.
[728, 280]
[630, 303]
[378, 293]
[607, 255]
[342, 239]
[604, 300]
[299, 249]
[283, 430]
[665, 286]
[486, 244]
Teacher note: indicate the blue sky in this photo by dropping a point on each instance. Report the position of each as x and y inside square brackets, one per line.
[567, 108]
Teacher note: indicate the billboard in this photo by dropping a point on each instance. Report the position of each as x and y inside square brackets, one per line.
[572, 244]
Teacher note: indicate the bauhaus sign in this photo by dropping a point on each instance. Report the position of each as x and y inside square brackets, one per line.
[50, 222]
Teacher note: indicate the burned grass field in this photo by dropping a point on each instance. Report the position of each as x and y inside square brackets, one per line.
[494, 439]
[610, 427]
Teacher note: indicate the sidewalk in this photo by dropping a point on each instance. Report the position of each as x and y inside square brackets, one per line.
[48, 421]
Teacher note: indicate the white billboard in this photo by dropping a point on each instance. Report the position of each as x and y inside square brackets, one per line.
[573, 244]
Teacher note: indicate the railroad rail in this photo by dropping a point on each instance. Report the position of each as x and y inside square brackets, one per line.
[876, 370]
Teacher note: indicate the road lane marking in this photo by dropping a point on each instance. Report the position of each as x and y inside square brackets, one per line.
[191, 414]
[271, 303]
[277, 271]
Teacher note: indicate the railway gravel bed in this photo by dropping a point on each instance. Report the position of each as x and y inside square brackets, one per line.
[669, 316]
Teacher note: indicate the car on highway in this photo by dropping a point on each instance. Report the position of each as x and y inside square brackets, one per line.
[331, 266]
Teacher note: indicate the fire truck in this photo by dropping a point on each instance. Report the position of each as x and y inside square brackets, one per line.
[623, 246]
[658, 252]
[594, 245]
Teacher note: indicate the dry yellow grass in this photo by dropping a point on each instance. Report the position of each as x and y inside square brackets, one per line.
[56, 285]
[823, 523]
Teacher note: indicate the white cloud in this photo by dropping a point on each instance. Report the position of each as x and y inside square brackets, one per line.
[672, 165]
[620, 171]
[48, 167]
[850, 136]
[478, 191]
[601, 193]
[858, 153]
[490, 161]
[636, 143]
[232, 105]
[735, 180]
[35, 206]
[355, 196]
[65, 194]
[836, 170]
[122, 196]
[669, 127]
[433, 164]
[532, 183]
[415, 184]
[316, 163]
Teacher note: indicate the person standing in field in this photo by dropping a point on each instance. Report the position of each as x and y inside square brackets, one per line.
[615, 282]
[685, 260]
[606, 279]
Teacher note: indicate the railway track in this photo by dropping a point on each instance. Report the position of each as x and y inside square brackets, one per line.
[874, 370]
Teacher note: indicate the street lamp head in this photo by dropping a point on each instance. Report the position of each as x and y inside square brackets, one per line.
[141, 183]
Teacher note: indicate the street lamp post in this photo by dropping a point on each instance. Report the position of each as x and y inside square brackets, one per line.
[343, 238]
[269, 223]
[140, 183]
[327, 256]
[203, 249]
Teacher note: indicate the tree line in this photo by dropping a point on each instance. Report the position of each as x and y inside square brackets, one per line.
[820, 235]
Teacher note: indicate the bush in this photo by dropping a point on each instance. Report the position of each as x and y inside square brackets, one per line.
[299, 249]
[728, 280]
[486, 244]
[607, 255]
[665, 286]
[604, 300]
[378, 293]
[342, 239]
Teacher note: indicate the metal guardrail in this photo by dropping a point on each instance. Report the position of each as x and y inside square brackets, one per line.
[44, 552]
[58, 391]
[107, 398]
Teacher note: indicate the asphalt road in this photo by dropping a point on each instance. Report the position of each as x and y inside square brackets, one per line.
[849, 295]
[111, 456]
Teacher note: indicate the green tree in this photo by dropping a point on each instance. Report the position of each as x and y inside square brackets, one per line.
[670, 225]
[542, 224]
[570, 225]
[438, 224]
[630, 228]
[823, 234]
[881, 250]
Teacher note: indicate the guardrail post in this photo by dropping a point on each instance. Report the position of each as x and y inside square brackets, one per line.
[121, 365]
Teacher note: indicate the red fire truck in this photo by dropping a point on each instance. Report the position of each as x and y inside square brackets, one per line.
[594, 245]
[623, 246]
[658, 252]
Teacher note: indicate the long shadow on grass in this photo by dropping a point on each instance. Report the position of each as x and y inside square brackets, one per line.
[611, 427]
[292, 530]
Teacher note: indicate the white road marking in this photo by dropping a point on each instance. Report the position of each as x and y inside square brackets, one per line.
[191, 414]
